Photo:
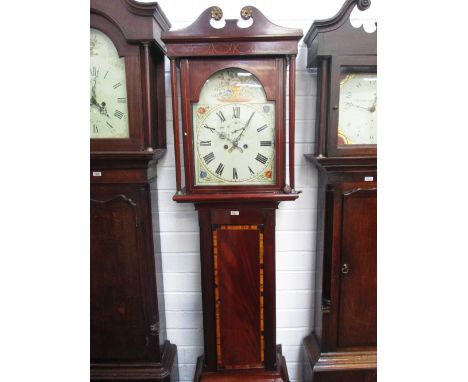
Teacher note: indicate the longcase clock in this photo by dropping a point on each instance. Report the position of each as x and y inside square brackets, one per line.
[127, 124]
[343, 345]
[232, 89]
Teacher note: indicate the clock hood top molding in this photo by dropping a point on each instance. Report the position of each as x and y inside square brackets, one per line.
[330, 37]
[261, 38]
[138, 22]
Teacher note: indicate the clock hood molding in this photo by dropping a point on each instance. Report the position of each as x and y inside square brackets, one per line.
[201, 39]
[339, 28]
[138, 22]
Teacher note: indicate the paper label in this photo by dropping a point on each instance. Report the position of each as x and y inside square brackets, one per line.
[97, 173]
[234, 212]
[368, 179]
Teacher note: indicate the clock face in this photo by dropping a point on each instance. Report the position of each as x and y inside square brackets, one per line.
[234, 131]
[108, 90]
[357, 121]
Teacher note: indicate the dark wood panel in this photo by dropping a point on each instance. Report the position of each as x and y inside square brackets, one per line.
[358, 288]
[118, 321]
[238, 275]
[346, 376]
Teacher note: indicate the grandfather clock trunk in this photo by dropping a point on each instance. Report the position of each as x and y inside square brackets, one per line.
[236, 251]
[238, 282]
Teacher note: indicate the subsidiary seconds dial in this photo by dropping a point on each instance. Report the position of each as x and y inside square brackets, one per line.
[234, 143]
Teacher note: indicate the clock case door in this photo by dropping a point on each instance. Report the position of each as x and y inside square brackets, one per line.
[349, 265]
[126, 343]
[120, 270]
[366, 64]
[144, 69]
[270, 72]
[343, 344]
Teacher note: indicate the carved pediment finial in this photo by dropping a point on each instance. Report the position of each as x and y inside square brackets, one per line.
[216, 13]
[363, 4]
[246, 12]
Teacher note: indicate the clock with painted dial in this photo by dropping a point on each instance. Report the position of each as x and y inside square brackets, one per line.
[232, 82]
[234, 131]
[357, 120]
[108, 90]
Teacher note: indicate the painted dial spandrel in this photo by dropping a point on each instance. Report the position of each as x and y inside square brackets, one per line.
[108, 90]
[234, 131]
[357, 121]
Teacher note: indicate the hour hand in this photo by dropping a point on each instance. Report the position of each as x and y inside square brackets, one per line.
[93, 102]
[236, 140]
[235, 145]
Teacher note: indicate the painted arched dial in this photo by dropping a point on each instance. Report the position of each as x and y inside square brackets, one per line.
[108, 90]
[234, 131]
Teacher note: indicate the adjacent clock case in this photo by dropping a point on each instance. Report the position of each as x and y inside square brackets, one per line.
[334, 46]
[135, 29]
[343, 344]
[126, 339]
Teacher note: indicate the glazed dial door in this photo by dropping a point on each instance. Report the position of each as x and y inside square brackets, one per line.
[233, 131]
[108, 90]
[357, 121]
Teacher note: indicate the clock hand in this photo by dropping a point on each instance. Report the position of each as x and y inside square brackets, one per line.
[93, 89]
[236, 141]
[235, 145]
[102, 107]
[374, 105]
[93, 96]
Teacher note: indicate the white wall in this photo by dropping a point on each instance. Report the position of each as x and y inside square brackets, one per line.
[177, 226]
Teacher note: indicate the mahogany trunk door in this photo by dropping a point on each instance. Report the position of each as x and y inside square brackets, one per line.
[358, 273]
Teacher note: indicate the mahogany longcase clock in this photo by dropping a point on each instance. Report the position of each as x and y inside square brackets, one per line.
[127, 125]
[343, 345]
[232, 85]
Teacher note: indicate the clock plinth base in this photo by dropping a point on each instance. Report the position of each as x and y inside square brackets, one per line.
[244, 375]
[340, 366]
[164, 371]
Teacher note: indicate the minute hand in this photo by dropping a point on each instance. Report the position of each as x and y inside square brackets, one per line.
[236, 140]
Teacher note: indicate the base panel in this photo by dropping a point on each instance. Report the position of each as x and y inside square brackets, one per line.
[349, 366]
[165, 371]
[244, 375]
